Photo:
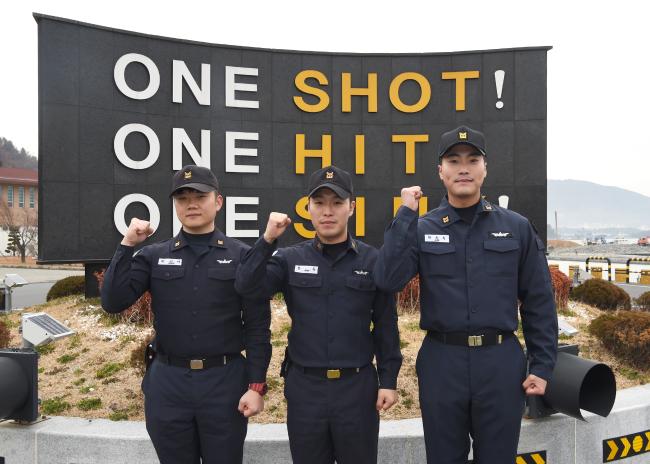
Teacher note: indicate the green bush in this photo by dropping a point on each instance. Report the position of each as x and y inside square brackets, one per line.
[601, 294]
[73, 285]
[89, 403]
[643, 301]
[626, 334]
[108, 370]
[5, 335]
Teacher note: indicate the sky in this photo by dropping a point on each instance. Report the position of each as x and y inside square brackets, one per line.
[598, 69]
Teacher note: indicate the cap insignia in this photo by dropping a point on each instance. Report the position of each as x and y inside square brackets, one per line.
[329, 175]
[187, 174]
[462, 135]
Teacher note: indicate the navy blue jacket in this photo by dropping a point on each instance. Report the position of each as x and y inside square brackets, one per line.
[197, 312]
[472, 276]
[339, 318]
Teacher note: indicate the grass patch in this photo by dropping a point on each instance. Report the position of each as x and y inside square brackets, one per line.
[118, 416]
[566, 312]
[284, 330]
[78, 382]
[88, 404]
[108, 370]
[66, 358]
[41, 370]
[75, 341]
[126, 339]
[632, 374]
[412, 326]
[54, 405]
[403, 343]
[87, 389]
[44, 350]
[57, 370]
[278, 343]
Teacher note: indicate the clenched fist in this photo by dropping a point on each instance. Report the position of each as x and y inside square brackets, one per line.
[137, 232]
[411, 197]
[278, 223]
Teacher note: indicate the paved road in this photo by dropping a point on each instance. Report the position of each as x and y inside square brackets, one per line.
[40, 282]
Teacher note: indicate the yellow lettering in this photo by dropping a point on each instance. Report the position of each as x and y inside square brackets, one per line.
[425, 92]
[325, 153]
[423, 206]
[410, 141]
[460, 77]
[360, 154]
[301, 210]
[301, 84]
[360, 216]
[347, 91]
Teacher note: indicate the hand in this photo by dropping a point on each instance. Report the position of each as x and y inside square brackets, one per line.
[278, 223]
[251, 403]
[386, 399]
[137, 232]
[534, 385]
[411, 197]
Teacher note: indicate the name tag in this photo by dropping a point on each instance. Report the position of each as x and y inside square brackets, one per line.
[170, 262]
[436, 238]
[306, 269]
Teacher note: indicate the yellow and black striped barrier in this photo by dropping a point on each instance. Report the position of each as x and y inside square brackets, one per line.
[536, 457]
[636, 260]
[626, 446]
[601, 258]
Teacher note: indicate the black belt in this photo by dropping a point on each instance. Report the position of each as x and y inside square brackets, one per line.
[328, 373]
[479, 338]
[198, 363]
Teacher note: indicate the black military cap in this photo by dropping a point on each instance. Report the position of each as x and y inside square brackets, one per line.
[194, 177]
[332, 178]
[462, 134]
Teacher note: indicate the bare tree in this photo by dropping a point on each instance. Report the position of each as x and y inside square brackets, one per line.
[22, 224]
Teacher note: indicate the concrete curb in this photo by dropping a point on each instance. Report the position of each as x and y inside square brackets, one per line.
[66, 440]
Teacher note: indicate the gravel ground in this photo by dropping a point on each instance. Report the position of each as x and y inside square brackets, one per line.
[619, 253]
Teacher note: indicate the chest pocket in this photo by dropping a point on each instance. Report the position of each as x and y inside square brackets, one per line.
[364, 284]
[305, 280]
[167, 272]
[438, 258]
[223, 272]
[501, 257]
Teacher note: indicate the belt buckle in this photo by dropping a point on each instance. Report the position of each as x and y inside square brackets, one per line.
[333, 374]
[196, 364]
[475, 340]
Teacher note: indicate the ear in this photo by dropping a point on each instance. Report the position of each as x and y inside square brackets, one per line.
[219, 200]
[440, 171]
[352, 206]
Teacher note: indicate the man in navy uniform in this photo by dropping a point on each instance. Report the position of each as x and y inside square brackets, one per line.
[340, 322]
[476, 262]
[200, 390]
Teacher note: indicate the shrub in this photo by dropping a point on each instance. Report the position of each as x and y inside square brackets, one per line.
[73, 285]
[643, 301]
[601, 294]
[136, 360]
[561, 286]
[408, 300]
[5, 335]
[626, 334]
[138, 313]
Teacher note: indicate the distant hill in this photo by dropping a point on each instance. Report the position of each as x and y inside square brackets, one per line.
[11, 157]
[581, 204]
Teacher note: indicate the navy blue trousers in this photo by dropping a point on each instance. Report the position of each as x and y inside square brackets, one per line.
[471, 392]
[192, 415]
[332, 420]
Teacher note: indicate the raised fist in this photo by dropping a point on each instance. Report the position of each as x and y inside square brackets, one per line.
[411, 197]
[137, 232]
[278, 223]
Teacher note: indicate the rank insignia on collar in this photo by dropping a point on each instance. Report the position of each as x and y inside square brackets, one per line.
[445, 220]
[488, 207]
[178, 243]
[219, 242]
[187, 174]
